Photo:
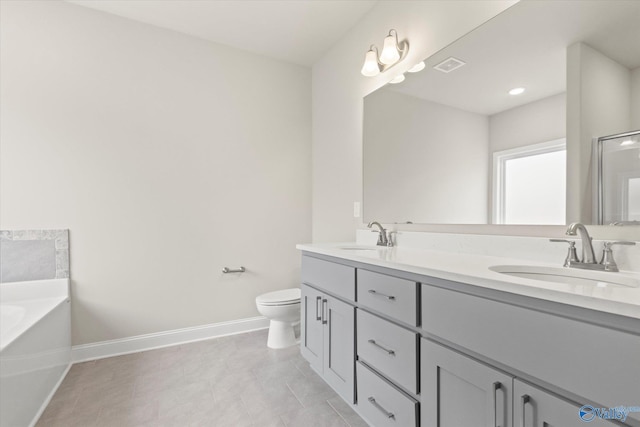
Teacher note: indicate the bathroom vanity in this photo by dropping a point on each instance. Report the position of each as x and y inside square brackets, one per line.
[412, 337]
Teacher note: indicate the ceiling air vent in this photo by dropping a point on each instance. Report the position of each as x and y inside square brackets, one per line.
[449, 64]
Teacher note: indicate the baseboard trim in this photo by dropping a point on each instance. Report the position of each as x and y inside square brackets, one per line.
[100, 350]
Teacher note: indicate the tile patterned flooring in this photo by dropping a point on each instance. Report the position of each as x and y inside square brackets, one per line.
[233, 381]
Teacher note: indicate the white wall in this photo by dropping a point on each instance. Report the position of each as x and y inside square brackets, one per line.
[338, 89]
[167, 157]
[539, 121]
[411, 145]
[598, 104]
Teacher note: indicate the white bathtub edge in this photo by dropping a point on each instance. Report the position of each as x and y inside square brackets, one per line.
[103, 349]
[48, 399]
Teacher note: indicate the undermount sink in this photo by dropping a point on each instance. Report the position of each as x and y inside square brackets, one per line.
[571, 276]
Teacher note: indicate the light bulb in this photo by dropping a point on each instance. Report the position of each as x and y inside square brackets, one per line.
[516, 91]
[397, 79]
[390, 54]
[418, 67]
[370, 67]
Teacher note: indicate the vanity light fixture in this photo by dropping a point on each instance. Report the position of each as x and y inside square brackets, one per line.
[392, 52]
[418, 67]
[371, 66]
[397, 79]
[516, 91]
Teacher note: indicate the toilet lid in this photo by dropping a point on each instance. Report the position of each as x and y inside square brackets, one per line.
[285, 296]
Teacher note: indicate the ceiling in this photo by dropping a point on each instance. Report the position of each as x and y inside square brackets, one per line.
[526, 46]
[296, 31]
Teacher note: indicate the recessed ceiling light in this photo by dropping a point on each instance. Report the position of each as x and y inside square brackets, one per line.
[627, 142]
[418, 67]
[516, 91]
[397, 79]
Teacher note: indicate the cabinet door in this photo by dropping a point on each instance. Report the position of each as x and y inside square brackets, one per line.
[458, 391]
[534, 407]
[339, 347]
[311, 328]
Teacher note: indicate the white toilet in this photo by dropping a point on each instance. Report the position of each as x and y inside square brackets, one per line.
[282, 308]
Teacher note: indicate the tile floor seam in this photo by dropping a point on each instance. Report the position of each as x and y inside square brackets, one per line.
[294, 394]
[337, 412]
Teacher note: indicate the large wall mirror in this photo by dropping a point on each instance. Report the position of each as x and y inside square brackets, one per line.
[451, 145]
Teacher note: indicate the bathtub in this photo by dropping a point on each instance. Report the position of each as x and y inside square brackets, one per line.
[35, 347]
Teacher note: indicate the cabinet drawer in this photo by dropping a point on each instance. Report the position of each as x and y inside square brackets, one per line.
[390, 295]
[381, 404]
[334, 278]
[390, 349]
[591, 361]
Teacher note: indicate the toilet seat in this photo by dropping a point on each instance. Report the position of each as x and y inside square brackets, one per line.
[282, 297]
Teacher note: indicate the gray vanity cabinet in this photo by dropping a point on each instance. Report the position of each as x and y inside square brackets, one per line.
[327, 339]
[435, 353]
[534, 407]
[458, 391]
[339, 347]
[311, 327]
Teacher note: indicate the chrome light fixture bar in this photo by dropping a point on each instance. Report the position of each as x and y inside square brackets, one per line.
[393, 52]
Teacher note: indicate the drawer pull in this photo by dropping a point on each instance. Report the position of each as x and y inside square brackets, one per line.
[384, 411]
[389, 352]
[496, 386]
[525, 399]
[374, 292]
[324, 316]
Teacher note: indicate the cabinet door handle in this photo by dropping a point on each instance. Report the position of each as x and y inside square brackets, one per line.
[374, 292]
[496, 386]
[524, 399]
[324, 317]
[380, 408]
[318, 311]
[389, 352]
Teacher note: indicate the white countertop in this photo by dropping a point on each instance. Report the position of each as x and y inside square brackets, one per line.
[474, 270]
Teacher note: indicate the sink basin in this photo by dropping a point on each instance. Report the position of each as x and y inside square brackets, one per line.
[571, 276]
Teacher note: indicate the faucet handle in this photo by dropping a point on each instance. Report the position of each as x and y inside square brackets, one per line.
[572, 255]
[607, 245]
[607, 254]
[383, 240]
[390, 238]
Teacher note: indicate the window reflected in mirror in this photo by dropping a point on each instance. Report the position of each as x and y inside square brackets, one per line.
[529, 184]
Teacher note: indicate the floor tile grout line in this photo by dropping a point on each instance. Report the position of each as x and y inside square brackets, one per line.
[337, 412]
[294, 394]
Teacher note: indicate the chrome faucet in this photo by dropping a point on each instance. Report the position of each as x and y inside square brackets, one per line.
[588, 256]
[383, 240]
